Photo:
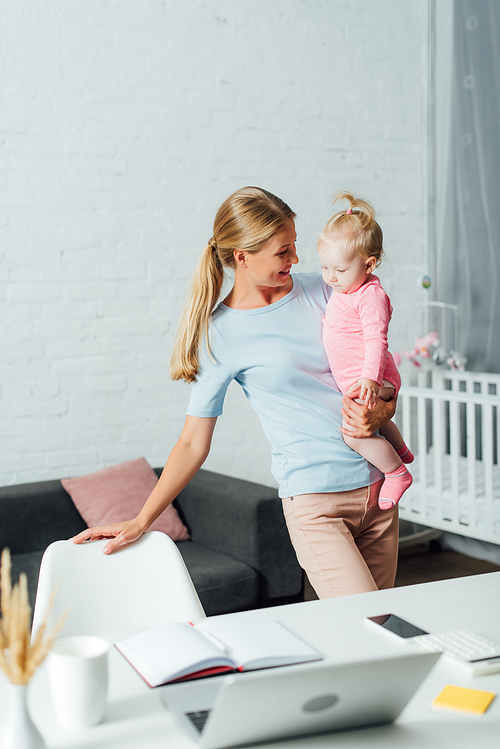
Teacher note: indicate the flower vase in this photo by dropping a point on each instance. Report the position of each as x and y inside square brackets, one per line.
[20, 731]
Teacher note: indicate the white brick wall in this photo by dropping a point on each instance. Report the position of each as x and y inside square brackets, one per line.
[123, 127]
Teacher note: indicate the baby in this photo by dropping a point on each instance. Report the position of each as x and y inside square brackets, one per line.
[355, 335]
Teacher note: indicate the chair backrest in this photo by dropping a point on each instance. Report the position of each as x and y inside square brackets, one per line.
[138, 586]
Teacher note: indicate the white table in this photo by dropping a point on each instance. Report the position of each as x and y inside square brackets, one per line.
[137, 719]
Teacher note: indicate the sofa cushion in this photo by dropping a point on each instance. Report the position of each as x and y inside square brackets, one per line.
[223, 583]
[243, 520]
[118, 493]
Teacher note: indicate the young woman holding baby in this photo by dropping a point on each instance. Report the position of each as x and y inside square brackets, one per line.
[267, 335]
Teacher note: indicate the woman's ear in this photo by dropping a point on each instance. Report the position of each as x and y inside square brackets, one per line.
[370, 264]
[240, 258]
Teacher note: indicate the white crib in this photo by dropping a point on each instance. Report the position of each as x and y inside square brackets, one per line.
[451, 421]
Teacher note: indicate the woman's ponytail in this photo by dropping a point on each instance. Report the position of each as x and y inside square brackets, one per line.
[206, 287]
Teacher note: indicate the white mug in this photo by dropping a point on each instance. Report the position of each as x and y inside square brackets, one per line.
[78, 677]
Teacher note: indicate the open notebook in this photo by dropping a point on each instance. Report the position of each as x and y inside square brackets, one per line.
[171, 652]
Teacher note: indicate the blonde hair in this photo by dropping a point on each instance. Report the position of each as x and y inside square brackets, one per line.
[245, 221]
[363, 234]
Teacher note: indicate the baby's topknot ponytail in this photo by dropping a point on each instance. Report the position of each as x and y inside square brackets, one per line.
[363, 234]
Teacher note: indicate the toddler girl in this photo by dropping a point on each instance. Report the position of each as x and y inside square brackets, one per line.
[355, 335]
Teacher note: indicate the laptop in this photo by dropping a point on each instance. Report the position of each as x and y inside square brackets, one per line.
[295, 700]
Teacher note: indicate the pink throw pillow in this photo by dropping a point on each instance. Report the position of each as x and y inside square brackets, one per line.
[118, 493]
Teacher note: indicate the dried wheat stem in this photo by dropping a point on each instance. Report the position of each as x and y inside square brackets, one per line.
[19, 656]
[5, 588]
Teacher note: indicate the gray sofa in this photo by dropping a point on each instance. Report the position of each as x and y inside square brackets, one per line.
[239, 555]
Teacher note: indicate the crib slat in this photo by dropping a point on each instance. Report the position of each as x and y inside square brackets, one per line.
[454, 455]
[406, 417]
[422, 448]
[438, 421]
[406, 431]
[487, 443]
[496, 453]
[495, 385]
[470, 431]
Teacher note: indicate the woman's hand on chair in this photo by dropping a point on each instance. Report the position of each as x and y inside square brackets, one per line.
[120, 534]
[187, 456]
[366, 421]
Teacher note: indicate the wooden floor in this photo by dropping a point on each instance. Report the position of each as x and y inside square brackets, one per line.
[418, 564]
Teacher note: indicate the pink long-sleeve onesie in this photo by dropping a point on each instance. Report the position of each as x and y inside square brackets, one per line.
[355, 336]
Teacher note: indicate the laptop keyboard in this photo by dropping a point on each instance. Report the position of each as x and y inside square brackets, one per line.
[198, 719]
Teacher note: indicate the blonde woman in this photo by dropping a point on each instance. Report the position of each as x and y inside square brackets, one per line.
[267, 335]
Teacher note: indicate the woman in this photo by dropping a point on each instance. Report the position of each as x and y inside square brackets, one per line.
[267, 336]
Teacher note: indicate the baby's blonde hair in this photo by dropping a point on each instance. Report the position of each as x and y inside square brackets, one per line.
[245, 221]
[363, 234]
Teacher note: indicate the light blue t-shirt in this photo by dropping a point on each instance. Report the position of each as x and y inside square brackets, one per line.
[276, 354]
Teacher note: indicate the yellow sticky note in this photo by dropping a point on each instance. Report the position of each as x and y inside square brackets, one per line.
[467, 700]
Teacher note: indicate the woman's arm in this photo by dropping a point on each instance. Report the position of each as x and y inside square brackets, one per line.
[187, 456]
[366, 421]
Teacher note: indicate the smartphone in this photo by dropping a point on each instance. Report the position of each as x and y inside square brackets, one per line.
[396, 626]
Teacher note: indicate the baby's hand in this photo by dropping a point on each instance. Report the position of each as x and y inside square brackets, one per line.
[366, 391]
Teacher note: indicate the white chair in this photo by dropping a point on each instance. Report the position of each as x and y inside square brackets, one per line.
[137, 586]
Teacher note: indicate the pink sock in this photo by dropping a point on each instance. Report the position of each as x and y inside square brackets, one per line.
[405, 454]
[395, 484]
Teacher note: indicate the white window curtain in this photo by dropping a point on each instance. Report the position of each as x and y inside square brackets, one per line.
[468, 221]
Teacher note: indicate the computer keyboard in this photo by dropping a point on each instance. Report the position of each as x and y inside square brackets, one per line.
[198, 718]
[462, 645]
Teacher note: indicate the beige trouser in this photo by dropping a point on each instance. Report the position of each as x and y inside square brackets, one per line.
[345, 543]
